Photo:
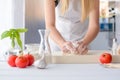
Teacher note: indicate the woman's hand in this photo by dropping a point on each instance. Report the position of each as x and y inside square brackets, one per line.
[77, 47]
[81, 48]
[68, 47]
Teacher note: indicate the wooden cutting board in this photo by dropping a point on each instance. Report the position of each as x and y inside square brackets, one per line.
[92, 57]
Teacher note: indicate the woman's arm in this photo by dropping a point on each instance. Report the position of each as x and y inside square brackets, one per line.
[50, 23]
[64, 45]
[93, 28]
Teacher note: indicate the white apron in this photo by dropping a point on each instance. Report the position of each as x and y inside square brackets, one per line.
[69, 24]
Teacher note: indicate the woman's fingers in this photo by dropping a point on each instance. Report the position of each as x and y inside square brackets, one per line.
[82, 48]
[69, 46]
[84, 51]
[65, 50]
[78, 48]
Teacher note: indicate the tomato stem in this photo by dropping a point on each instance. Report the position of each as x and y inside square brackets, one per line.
[21, 53]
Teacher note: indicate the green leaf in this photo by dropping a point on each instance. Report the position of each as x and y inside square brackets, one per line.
[17, 34]
[12, 35]
[21, 30]
[19, 42]
[5, 34]
[12, 30]
[13, 42]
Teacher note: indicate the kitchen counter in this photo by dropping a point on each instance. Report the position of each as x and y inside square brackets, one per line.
[60, 72]
[65, 67]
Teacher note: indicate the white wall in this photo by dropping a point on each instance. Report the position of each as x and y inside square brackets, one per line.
[12, 15]
[6, 22]
[118, 21]
[19, 15]
[118, 28]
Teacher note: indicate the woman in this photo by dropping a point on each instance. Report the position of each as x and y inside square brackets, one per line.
[72, 21]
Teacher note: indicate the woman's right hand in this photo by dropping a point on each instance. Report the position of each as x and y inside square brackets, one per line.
[68, 47]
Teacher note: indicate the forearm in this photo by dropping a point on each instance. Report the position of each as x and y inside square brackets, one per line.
[91, 34]
[56, 36]
[93, 28]
[50, 22]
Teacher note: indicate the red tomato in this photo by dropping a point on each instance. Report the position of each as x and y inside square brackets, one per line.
[21, 62]
[11, 60]
[31, 59]
[105, 58]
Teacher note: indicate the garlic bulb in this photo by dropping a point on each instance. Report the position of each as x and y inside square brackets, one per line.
[41, 64]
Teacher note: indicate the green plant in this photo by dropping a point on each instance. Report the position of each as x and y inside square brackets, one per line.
[14, 35]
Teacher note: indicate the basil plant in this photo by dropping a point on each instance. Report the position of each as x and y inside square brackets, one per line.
[14, 35]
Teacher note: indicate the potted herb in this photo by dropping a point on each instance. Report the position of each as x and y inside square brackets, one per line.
[14, 35]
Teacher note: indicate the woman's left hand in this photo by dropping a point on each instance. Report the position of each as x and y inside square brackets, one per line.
[81, 48]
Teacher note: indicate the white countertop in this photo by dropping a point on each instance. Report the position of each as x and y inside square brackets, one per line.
[59, 72]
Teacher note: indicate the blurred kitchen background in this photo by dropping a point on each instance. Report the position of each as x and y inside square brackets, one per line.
[109, 23]
[34, 20]
[30, 14]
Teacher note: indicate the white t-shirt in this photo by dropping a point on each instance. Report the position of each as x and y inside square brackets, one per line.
[69, 24]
